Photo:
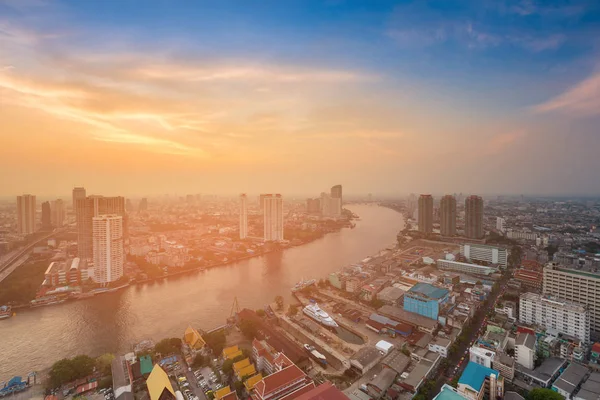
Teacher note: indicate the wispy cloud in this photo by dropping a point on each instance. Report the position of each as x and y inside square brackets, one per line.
[583, 99]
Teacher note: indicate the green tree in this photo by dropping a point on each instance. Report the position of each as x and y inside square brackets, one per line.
[376, 303]
[227, 367]
[248, 328]
[199, 361]
[168, 346]
[83, 365]
[260, 312]
[216, 341]
[543, 394]
[104, 363]
[239, 388]
[454, 382]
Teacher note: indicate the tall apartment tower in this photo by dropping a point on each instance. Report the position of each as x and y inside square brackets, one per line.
[336, 200]
[474, 217]
[88, 208]
[25, 214]
[107, 233]
[46, 216]
[448, 215]
[425, 213]
[243, 216]
[78, 193]
[273, 218]
[58, 213]
[261, 202]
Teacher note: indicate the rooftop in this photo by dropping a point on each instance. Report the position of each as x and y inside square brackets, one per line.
[449, 393]
[474, 375]
[325, 391]
[544, 372]
[366, 355]
[554, 301]
[429, 291]
[397, 361]
[590, 390]
[158, 382]
[513, 396]
[525, 339]
[571, 378]
[408, 317]
[279, 379]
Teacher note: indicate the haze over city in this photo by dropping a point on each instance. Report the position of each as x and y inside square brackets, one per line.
[444, 96]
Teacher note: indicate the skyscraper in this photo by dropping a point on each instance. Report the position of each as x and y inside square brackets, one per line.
[143, 205]
[78, 193]
[313, 206]
[46, 217]
[108, 248]
[273, 217]
[58, 213]
[261, 202]
[448, 215]
[336, 200]
[474, 217]
[243, 216]
[25, 214]
[425, 213]
[88, 208]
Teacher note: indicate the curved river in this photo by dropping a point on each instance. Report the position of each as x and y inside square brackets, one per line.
[36, 338]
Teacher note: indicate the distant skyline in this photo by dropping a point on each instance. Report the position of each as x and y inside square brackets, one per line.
[122, 97]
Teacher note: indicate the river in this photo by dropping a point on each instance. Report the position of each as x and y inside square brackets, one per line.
[35, 338]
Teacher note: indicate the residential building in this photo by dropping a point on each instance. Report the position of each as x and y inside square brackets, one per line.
[159, 385]
[482, 356]
[46, 216]
[522, 235]
[337, 200]
[313, 206]
[425, 213]
[466, 268]
[85, 210]
[580, 286]
[595, 355]
[570, 380]
[58, 213]
[474, 217]
[391, 295]
[440, 345]
[477, 382]
[273, 218]
[143, 205]
[590, 389]
[78, 193]
[425, 299]
[483, 253]
[243, 216]
[25, 214]
[261, 202]
[500, 224]
[448, 215]
[108, 248]
[525, 349]
[530, 278]
[548, 311]
[449, 393]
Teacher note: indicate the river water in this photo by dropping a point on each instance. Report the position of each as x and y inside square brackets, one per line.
[35, 338]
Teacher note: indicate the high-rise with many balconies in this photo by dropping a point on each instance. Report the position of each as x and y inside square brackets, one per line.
[26, 214]
[273, 218]
[108, 248]
[58, 213]
[86, 209]
[448, 215]
[425, 213]
[243, 216]
[474, 217]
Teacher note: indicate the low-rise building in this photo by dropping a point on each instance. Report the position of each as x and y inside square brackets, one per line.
[525, 350]
[440, 345]
[426, 300]
[466, 268]
[542, 376]
[568, 382]
[391, 295]
[478, 381]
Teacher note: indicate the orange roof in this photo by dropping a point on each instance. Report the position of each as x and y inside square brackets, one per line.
[250, 382]
[241, 364]
[247, 371]
[325, 391]
[230, 350]
[230, 396]
[193, 338]
[279, 379]
[219, 394]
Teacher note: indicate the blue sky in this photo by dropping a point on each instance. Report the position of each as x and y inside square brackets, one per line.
[287, 96]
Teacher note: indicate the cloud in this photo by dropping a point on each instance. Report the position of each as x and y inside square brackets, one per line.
[583, 99]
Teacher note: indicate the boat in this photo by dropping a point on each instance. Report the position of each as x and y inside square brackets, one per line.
[303, 284]
[316, 355]
[46, 301]
[5, 312]
[314, 311]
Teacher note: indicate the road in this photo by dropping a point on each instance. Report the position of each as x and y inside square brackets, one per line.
[476, 325]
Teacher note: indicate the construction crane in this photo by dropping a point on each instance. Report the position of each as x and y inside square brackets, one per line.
[235, 309]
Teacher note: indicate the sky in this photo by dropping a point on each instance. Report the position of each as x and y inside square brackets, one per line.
[189, 96]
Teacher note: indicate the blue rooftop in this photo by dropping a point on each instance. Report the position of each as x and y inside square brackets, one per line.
[474, 375]
[430, 291]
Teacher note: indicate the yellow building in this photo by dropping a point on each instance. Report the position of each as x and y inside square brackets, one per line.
[241, 365]
[193, 338]
[253, 380]
[246, 371]
[219, 394]
[231, 352]
[159, 385]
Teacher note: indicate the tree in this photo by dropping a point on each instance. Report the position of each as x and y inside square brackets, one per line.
[104, 363]
[260, 312]
[168, 346]
[216, 341]
[454, 382]
[67, 370]
[248, 328]
[199, 361]
[543, 394]
[84, 365]
[239, 388]
[376, 303]
[279, 302]
[293, 309]
[227, 367]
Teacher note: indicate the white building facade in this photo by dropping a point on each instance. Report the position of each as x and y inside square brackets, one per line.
[273, 218]
[243, 216]
[488, 254]
[26, 214]
[108, 251]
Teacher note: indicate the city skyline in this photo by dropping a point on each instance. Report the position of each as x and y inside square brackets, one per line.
[295, 94]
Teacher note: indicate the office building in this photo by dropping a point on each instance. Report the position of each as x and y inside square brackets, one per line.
[143, 206]
[525, 345]
[500, 224]
[108, 248]
[550, 312]
[58, 213]
[336, 196]
[243, 216]
[25, 214]
[580, 286]
[483, 253]
[448, 216]
[425, 213]
[478, 382]
[313, 206]
[78, 193]
[474, 217]
[425, 299]
[85, 210]
[46, 217]
[473, 269]
[273, 218]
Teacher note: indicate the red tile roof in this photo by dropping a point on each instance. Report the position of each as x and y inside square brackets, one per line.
[230, 396]
[596, 347]
[325, 391]
[299, 392]
[279, 379]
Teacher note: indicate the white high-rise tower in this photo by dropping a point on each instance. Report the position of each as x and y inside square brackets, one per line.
[243, 216]
[108, 248]
[273, 217]
[25, 214]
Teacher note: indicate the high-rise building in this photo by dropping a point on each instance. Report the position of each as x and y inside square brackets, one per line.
[46, 217]
[448, 215]
[243, 216]
[425, 213]
[261, 202]
[108, 247]
[474, 217]
[336, 192]
[580, 286]
[411, 203]
[273, 217]
[313, 206]
[88, 208]
[500, 224]
[25, 214]
[143, 205]
[78, 193]
[565, 316]
[58, 213]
